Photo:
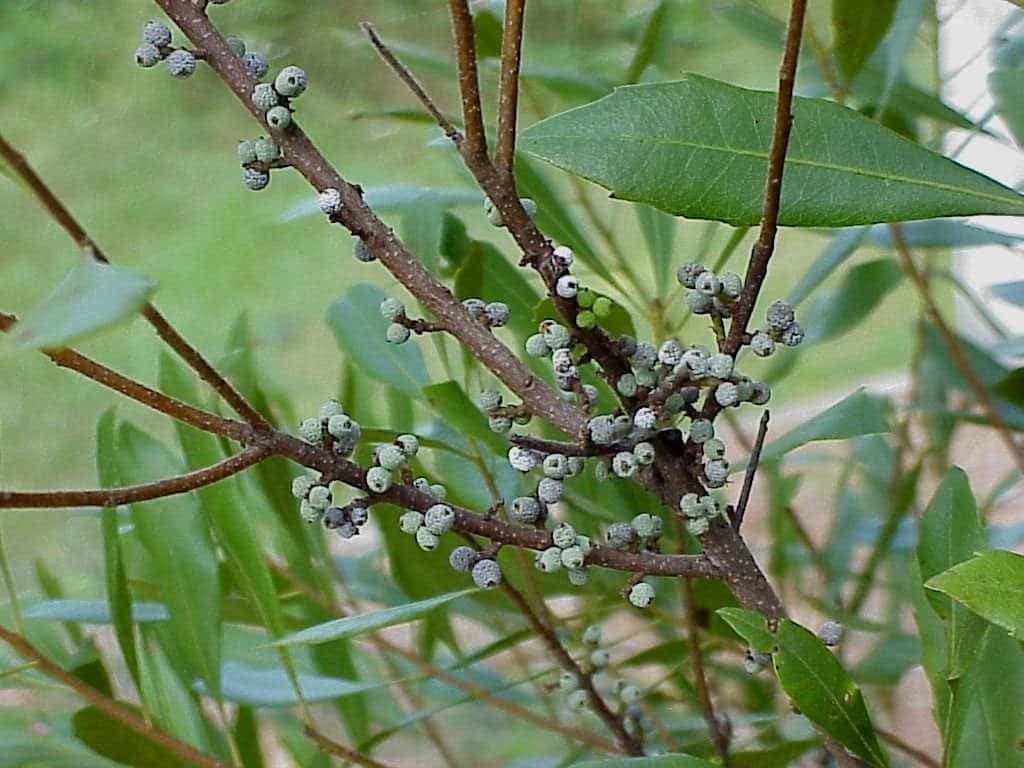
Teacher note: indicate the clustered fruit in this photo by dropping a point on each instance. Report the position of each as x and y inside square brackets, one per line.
[568, 550]
[274, 101]
[156, 47]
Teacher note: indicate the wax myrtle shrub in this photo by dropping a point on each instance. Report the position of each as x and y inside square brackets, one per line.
[541, 456]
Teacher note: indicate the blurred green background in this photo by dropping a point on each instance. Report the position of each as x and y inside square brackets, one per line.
[148, 165]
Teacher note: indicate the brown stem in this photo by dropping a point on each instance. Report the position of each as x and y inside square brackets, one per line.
[908, 749]
[955, 349]
[719, 737]
[359, 219]
[337, 749]
[748, 478]
[469, 80]
[112, 497]
[109, 706]
[629, 744]
[60, 214]
[508, 98]
[757, 267]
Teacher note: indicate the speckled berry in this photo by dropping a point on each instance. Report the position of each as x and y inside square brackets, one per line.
[408, 444]
[830, 633]
[147, 55]
[578, 700]
[524, 510]
[311, 430]
[180, 63]
[439, 519]
[691, 506]
[536, 346]
[780, 315]
[156, 33]
[397, 334]
[329, 200]
[762, 344]
[308, 512]
[499, 424]
[247, 152]
[330, 408]
[578, 576]
[727, 394]
[335, 517]
[572, 558]
[602, 429]
[361, 251]
[237, 45]
[264, 97]
[567, 286]
[760, 393]
[619, 535]
[461, 558]
[645, 419]
[486, 574]
[793, 336]
[342, 426]
[358, 515]
[475, 307]
[567, 682]
[699, 303]
[555, 336]
[255, 65]
[522, 459]
[646, 526]
[701, 430]
[716, 472]
[626, 385]
[319, 496]
[549, 490]
[687, 274]
[549, 560]
[378, 479]
[754, 662]
[564, 535]
[629, 694]
[624, 464]
[410, 521]
[290, 82]
[732, 285]
[426, 539]
[641, 594]
[302, 485]
[391, 457]
[708, 284]
[279, 118]
[644, 453]
[497, 314]
[670, 352]
[254, 179]
[599, 658]
[555, 465]
[564, 256]
[720, 366]
[714, 448]
[267, 150]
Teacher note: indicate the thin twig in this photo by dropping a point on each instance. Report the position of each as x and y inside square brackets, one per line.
[508, 98]
[956, 351]
[748, 478]
[469, 80]
[109, 706]
[60, 214]
[337, 749]
[719, 737]
[112, 497]
[908, 749]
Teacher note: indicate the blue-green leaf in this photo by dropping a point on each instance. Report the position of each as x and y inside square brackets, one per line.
[255, 687]
[93, 611]
[1007, 86]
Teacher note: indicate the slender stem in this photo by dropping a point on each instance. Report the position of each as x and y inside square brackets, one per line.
[112, 497]
[60, 214]
[508, 98]
[12, 592]
[908, 749]
[719, 737]
[337, 749]
[757, 267]
[469, 80]
[748, 478]
[955, 349]
[109, 706]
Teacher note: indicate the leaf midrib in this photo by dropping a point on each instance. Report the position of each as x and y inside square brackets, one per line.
[790, 161]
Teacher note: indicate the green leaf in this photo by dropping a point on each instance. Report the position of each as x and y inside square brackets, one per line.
[111, 738]
[90, 298]
[360, 624]
[862, 289]
[1007, 86]
[486, 273]
[699, 147]
[674, 760]
[751, 626]
[858, 414]
[461, 414]
[359, 330]
[781, 756]
[255, 687]
[659, 231]
[93, 611]
[650, 39]
[173, 533]
[859, 26]
[840, 248]
[821, 689]
[897, 43]
[990, 584]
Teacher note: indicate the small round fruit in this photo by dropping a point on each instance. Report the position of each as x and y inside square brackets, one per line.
[641, 595]
[486, 574]
[279, 118]
[461, 559]
[290, 82]
[180, 63]
[147, 55]
[156, 33]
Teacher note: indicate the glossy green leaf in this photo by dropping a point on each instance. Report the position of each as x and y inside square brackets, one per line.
[246, 733]
[659, 232]
[751, 626]
[360, 624]
[839, 249]
[359, 330]
[781, 756]
[862, 289]
[90, 298]
[174, 535]
[818, 685]
[1010, 292]
[93, 611]
[675, 760]
[256, 687]
[111, 738]
[990, 584]
[1007, 86]
[858, 414]
[859, 26]
[698, 148]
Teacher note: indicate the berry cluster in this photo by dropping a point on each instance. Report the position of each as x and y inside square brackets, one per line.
[569, 550]
[500, 418]
[593, 307]
[388, 459]
[332, 426]
[699, 511]
[156, 47]
[484, 570]
[273, 100]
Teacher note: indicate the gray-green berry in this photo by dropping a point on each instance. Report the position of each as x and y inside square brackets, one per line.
[555, 336]
[362, 252]
[629, 694]
[302, 485]
[567, 682]
[549, 560]
[578, 700]
[760, 393]
[564, 256]
[427, 540]
[264, 97]
[254, 179]
[489, 399]
[341, 426]
[397, 334]
[646, 526]
[309, 513]
[670, 352]
[555, 465]
[793, 336]
[645, 418]
[279, 118]
[378, 479]
[701, 430]
[156, 33]
[524, 510]
[697, 526]
[573, 557]
[536, 346]
[726, 394]
[592, 635]
[319, 496]
[699, 303]
[358, 515]
[717, 472]
[567, 286]
[390, 457]
[564, 535]
[147, 55]
[247, 152]
[329, 200]
[408, 444]
[641, 594]
[410, 522]
[732, 285]
[522, 459]
[461, 558]
[237, 45]
[708, 284]
[720, 366]
[687, 274]
[497, 314]
[626, 385]
[549, 490]
[499, 424]
[487, 574]
[180, 63]
[780, 315]
[439, 519]
[578, 576]
[438, 491]
[754, 661]
[624, 464]
[266, 149]
[311, 430]
[290, 82]
[599, 658]
[330, 408]
[255, 65]
[714, 448]
[392, 309]
[830, 633]
[644, 454]
[619, 535]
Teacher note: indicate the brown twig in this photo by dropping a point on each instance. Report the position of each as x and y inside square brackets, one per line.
[112, 708]
[923, 758]
[60, 214]
[719, 737]
[748, 478]
[469, 80]
[337, 749]
[956, 351]
[508, 96]
[112, 497]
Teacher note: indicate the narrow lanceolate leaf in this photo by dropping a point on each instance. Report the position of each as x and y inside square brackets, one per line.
[94, 611]
[91, 297]
[699, 148]
[1007, 86]
[840, 248]
[821, 689]
[749, 625]
[360, 624]
[859, 27]
[863, 288]
[255, 687]
[1012, 292]
[991, 585]
[111, 738]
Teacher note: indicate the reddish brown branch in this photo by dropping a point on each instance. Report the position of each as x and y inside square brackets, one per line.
[110, 707]
[112, 497]
[60, 214]
[508, 97]
[469, 80]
